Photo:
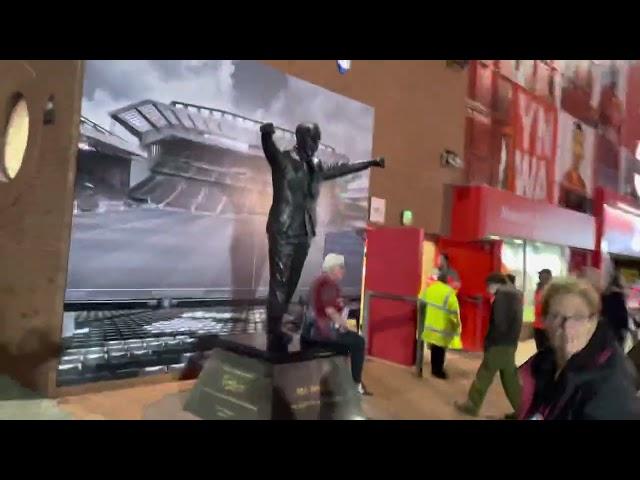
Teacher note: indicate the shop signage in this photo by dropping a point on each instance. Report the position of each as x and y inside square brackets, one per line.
[534, 146]
[618, 223]
[377, 210]
[480, 212]
[621, 231]
[511, 215]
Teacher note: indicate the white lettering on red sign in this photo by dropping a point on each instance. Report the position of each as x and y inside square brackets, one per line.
[531, 176]
[534, 154]
[512, 216]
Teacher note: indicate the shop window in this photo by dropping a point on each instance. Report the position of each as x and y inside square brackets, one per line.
[524, 260]
[513, 260]
[538, 256]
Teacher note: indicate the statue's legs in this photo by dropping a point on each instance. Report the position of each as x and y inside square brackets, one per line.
[286, 260]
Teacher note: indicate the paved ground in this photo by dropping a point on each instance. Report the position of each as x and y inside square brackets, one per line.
[17, 403]
[398, 394]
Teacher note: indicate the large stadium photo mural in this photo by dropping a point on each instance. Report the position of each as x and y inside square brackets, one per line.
[172, 187]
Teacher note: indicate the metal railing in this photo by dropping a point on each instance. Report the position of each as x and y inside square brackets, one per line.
[368, 295]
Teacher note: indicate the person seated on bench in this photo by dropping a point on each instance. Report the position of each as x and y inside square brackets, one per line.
[325, 323]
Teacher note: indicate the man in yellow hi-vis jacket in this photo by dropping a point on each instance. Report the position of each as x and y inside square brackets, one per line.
[442, 325]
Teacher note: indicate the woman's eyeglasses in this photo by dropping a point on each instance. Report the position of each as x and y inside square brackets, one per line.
[562, 319]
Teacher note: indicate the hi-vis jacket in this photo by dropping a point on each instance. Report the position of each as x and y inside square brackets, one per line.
[442, 325]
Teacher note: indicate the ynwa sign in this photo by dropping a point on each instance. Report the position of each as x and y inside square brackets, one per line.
[534, 146]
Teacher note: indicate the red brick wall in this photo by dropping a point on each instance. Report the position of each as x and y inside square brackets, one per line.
[35, 218]
[419, 112]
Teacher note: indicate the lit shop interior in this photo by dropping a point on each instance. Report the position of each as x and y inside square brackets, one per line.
[620, 245]
[524, 259]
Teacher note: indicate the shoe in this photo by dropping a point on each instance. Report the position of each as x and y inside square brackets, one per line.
[466, 409]
[511, 416]
[362, 390]
[441, 375]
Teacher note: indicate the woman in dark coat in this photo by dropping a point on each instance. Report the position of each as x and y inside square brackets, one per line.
[583, 375]
[614, 309]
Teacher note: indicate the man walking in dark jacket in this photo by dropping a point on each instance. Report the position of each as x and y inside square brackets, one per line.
[500, 346]
[614, 309]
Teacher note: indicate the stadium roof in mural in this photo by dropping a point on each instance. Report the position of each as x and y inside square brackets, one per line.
[150, 121]
[95, 137]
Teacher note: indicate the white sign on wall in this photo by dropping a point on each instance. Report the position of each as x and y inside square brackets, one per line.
[344, 66]
[377, 210]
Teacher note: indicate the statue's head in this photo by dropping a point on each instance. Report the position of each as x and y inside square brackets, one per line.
[308, 139]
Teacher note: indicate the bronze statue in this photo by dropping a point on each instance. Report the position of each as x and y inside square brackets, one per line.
[296, 176]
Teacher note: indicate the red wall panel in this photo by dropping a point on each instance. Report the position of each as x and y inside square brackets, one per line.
[394, 265]
[473, 261]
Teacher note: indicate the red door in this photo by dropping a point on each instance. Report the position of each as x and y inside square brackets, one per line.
[393, 266]
[473, 261]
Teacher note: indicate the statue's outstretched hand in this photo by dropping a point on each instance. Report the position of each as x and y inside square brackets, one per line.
[267, 128]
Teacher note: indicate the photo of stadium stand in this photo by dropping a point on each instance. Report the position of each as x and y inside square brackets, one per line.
[168, 241]
[207, 176]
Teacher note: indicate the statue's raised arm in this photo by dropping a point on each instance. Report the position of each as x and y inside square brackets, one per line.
[269, 147]
[342, 169]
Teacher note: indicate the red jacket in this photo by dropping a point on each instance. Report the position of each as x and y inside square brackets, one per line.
[325, 293]
[538, 309]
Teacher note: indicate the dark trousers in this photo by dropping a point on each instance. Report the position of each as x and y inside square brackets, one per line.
[438, 355]
[352, 344]
[286, 260]
[347, 343]
[540, 336]
[496, 359]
